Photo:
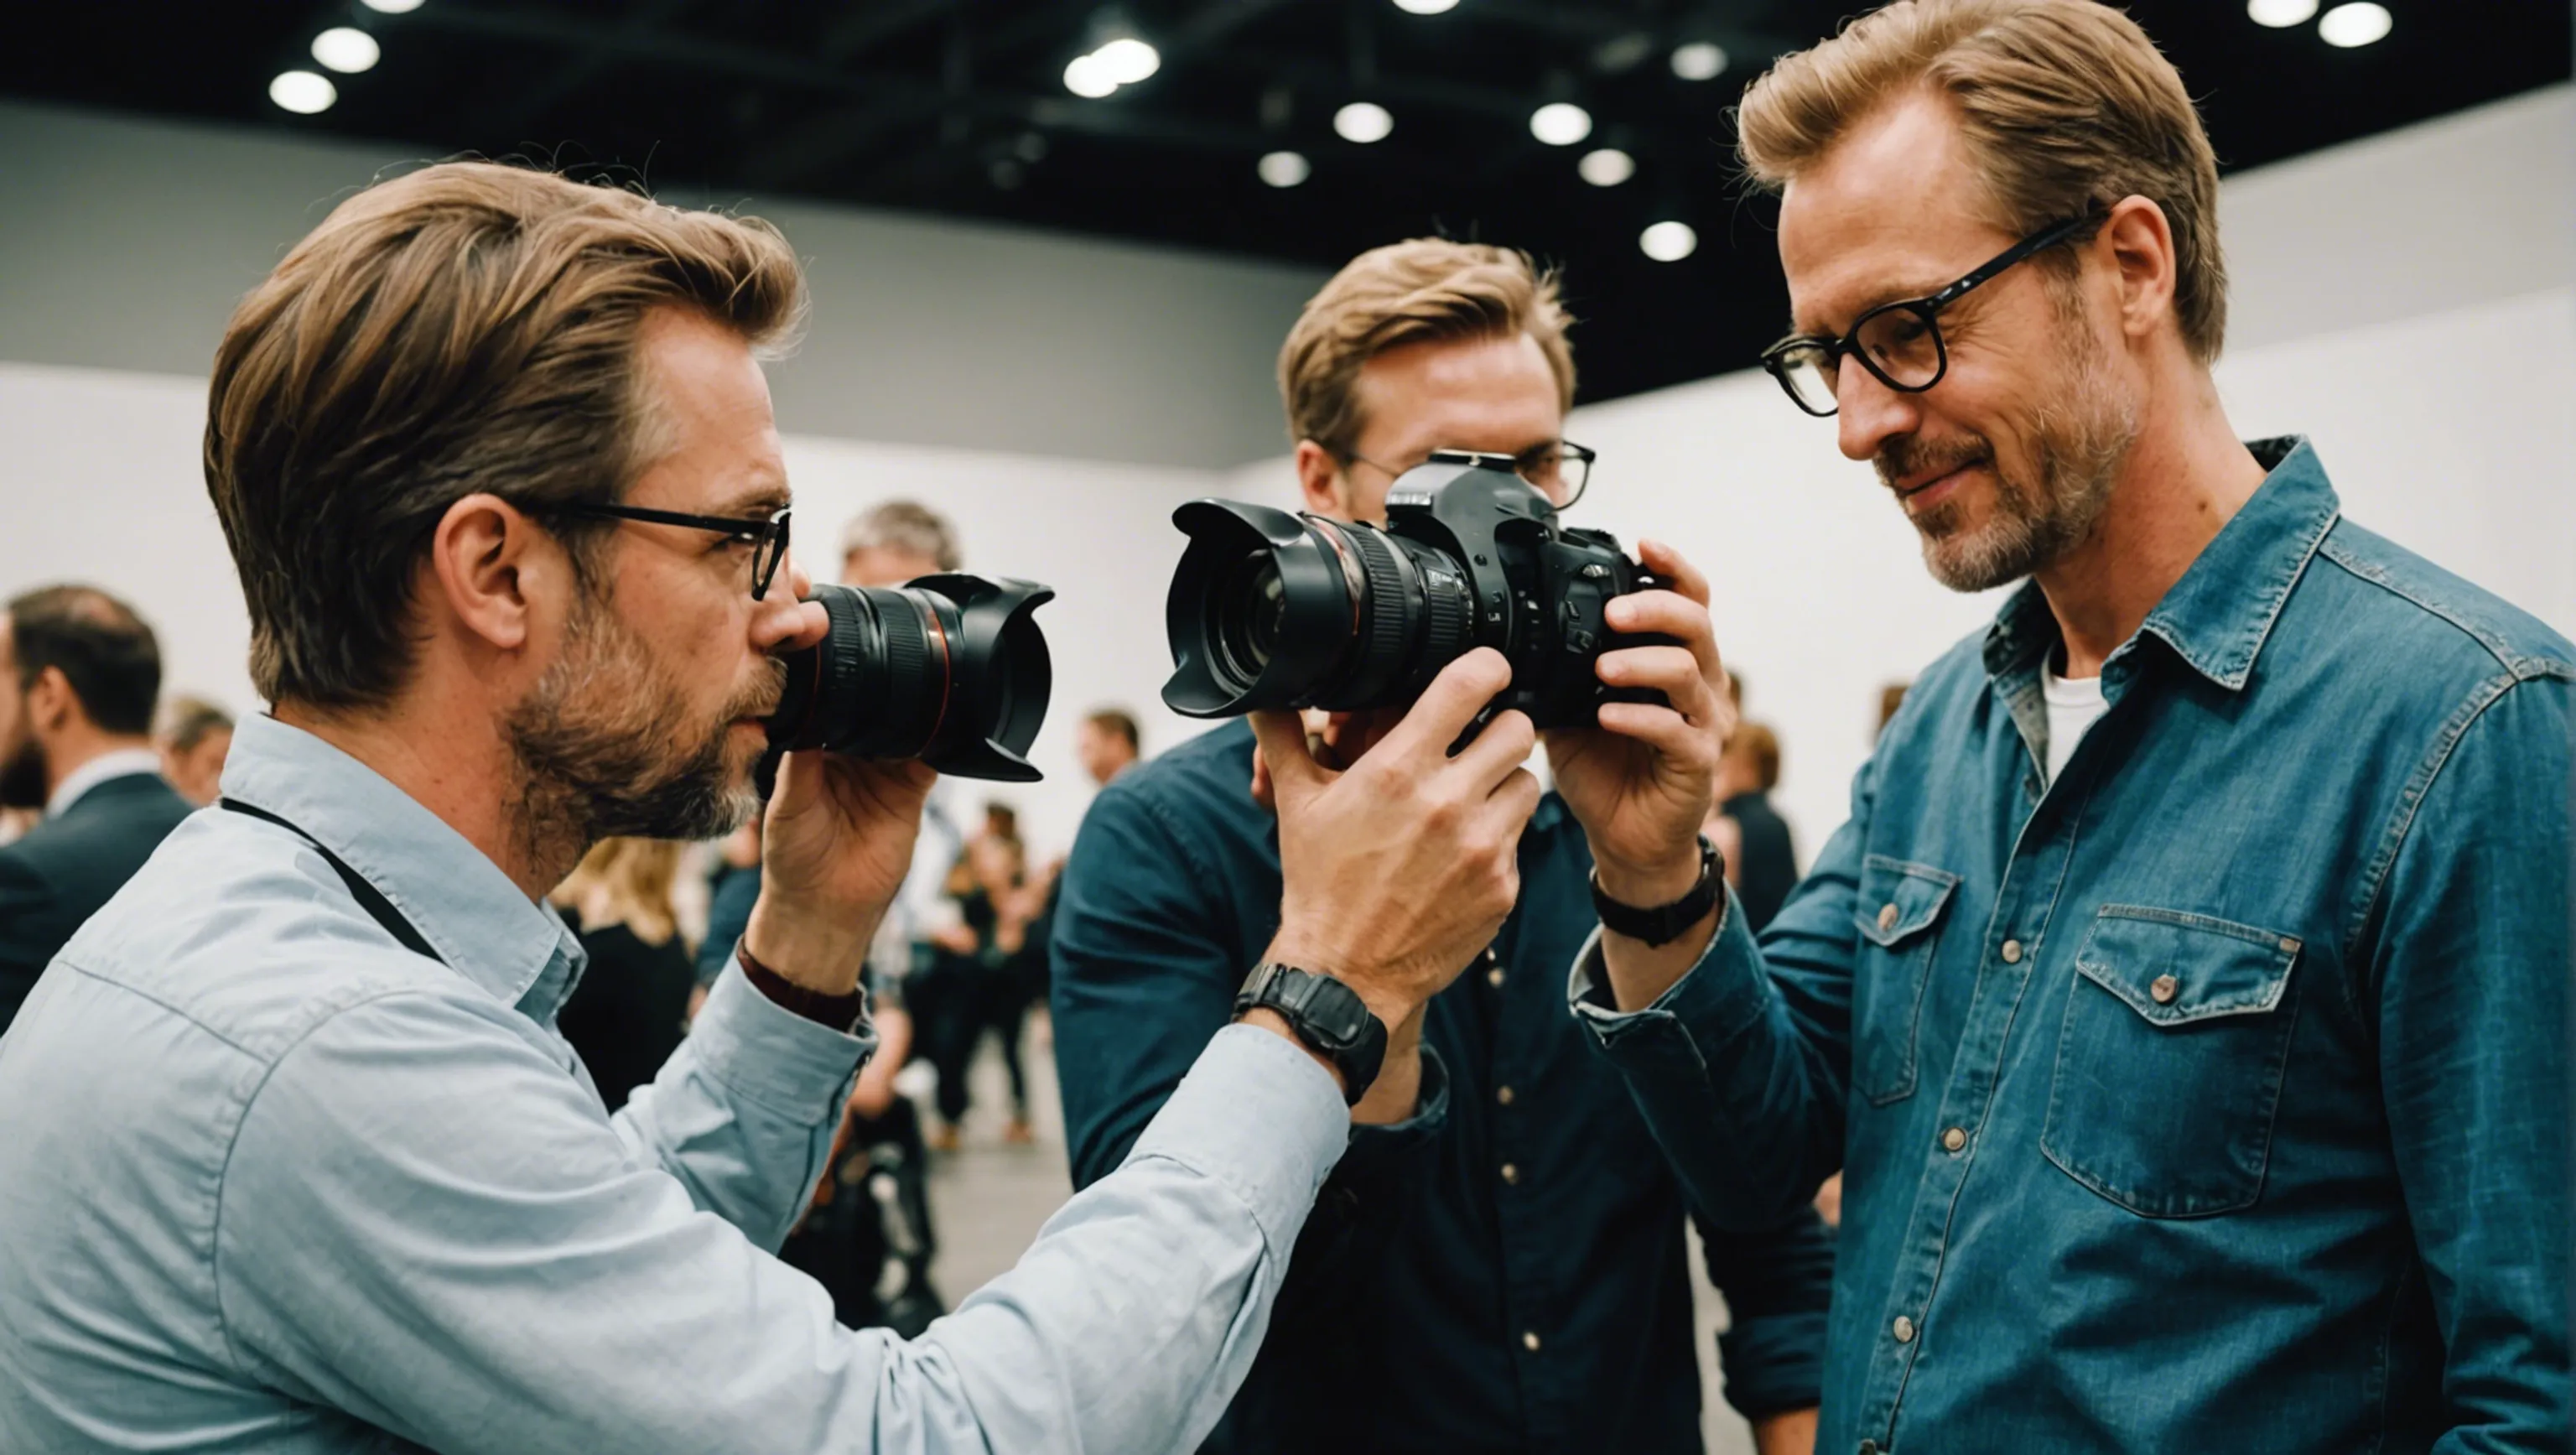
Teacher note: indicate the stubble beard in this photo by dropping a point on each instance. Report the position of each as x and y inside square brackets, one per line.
[604, 750]
[2079, 443]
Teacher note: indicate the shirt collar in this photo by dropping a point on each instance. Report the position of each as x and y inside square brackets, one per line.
[119, 763]
[459, 900]
[2217, 617]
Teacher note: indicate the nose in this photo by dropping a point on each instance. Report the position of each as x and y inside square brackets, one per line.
[784, 620]
[1869, 413]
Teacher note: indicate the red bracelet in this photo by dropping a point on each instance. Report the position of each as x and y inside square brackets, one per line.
[840, 1012]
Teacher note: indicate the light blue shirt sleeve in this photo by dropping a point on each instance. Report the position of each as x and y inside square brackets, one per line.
[744, 1112]
[426, 1223]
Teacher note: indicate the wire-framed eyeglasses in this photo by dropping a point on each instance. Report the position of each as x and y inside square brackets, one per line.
[766, 535]
[1900, 343]
[1558, 469]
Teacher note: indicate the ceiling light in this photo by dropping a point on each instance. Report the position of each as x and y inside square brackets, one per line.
[1560, 123]
[2352, 25]
[1668, 242]
[1085, 76]
[393, 7]
[1284, 169]
[344, 49]
[303, 92]
[1607, 167]
[1127, 60]
[1363, 122]
[2281, 14]
[1425, 7]
[1699, 61]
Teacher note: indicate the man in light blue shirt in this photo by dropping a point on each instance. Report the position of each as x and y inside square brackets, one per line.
[296, 1160]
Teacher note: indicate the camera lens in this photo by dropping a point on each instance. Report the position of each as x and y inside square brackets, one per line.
[949, 669]
[1249, 609]
[1269, 610]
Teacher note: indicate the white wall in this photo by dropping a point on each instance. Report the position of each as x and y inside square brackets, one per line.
[125, 244]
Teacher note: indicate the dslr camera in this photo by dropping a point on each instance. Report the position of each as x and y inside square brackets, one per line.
[1270, 610]
[950, 669]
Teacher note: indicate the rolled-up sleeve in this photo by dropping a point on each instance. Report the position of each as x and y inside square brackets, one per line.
[426, 1222]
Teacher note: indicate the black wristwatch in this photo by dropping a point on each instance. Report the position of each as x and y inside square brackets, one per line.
[1664, 925]
[1327, 1015]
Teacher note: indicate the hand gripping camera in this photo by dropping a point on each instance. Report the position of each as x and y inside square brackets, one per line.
[1272, 610]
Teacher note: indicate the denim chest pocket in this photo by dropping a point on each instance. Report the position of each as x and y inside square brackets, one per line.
[1899, 913]
[2170, 1062]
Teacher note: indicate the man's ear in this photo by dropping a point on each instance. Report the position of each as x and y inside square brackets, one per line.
[51, 703]
[1319, 480]
[496, 573]
[2140, 242]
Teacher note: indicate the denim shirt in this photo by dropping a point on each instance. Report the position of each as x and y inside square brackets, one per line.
[1503, 1272]
[271, 1182]
[2212, 1097]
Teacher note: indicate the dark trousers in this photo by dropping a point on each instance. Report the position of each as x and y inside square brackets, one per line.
[955, 1006]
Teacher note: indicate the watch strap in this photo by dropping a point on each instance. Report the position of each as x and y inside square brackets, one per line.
[1328, 1017]
[1665, 923]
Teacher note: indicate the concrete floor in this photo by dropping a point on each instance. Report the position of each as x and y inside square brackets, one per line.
[988, 1199]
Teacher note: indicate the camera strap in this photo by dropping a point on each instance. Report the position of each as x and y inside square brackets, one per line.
[370, 898]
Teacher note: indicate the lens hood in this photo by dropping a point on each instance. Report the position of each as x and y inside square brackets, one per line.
[1223, 669]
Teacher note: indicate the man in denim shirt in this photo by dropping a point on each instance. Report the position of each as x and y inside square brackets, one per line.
[2185, 1000]
[1498, 1263]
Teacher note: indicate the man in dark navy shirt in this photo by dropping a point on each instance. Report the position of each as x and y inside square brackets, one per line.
[1498, 1264]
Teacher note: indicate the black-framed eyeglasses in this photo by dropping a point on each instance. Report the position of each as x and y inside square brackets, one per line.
[766, 535]
[1898, 342]
[1554, 468]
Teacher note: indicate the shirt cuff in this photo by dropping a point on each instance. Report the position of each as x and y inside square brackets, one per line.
[1375, 1144]
[1259, 1116]
[1721, 994]
[764, 1051]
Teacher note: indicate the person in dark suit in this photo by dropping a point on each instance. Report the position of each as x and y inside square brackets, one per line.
[78, 675]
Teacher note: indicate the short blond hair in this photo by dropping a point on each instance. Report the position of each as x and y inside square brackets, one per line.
[1412, 292]
[467, 327]
[2066, 107]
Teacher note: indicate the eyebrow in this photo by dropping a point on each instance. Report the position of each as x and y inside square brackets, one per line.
[766, 498]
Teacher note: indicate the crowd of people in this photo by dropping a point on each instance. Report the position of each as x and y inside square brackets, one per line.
[2167, 1053]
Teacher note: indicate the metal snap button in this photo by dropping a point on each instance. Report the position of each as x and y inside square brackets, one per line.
[1887, 919]
[1954, 1139]
[1904, 1329]
[1511, 1172]
[2012, 952]
[2165, 989]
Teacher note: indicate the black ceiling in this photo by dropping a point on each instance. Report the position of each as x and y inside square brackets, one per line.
[958, 107]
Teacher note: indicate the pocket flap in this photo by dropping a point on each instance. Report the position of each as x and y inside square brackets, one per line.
[2174, 968]
[1899, 900]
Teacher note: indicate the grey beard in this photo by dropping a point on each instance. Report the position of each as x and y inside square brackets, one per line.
[2081, 443]
[595, 750]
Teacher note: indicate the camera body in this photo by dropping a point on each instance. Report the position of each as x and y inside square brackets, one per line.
[1272, 610]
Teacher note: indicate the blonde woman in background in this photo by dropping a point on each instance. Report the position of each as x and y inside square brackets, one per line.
[631, 1008]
